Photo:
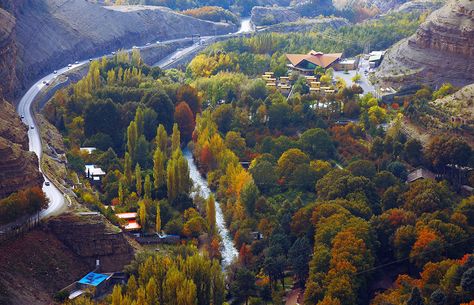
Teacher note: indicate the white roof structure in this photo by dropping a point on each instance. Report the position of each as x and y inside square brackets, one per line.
[89, 150]
[94, 171]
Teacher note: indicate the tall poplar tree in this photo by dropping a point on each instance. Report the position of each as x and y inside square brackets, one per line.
[127, 169]
[138, 179]
[161, 139]
[175, 138]
[132, 139]
[158, 218]
[159, 173]
[211, 214]
[147, 187]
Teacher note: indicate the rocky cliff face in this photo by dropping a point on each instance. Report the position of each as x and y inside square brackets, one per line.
[442, 50]
[18, 166]
[8, 52]
[306, 25]
[52, 33]
[420, 6]
[93, 237]
[262, 15]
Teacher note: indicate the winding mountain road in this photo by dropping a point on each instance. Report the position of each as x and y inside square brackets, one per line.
[57, 199]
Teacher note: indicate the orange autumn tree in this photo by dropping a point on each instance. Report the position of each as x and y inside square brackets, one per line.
[428, 247]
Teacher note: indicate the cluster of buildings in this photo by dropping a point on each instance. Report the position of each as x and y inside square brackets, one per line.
[282, 83]
[305, 64]
[315, 85]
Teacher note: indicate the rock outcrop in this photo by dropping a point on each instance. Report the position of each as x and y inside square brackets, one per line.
[35, 266]
[8, 52]
[308, 24]
[51, 33]
[263, 16]
[92, 237]
[442, 49]
[419, 6]
[18, 166]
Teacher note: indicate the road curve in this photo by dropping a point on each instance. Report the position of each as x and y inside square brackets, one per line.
[57, 199]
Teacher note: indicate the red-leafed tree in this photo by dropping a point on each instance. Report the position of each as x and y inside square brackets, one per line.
[205, 158]
[190, 95]
[183, 116]
[245, 255]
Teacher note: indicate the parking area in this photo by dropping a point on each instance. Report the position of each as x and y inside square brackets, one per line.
[364, 80]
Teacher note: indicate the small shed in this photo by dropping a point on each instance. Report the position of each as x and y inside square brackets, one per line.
[420, 173]
[99, 281]
[131, 218]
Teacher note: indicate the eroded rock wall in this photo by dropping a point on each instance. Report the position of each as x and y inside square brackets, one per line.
[442, 49]
[18, 166]
[92, 237]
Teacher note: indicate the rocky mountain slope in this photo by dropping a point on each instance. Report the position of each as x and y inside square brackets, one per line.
[52, 33]
[459, 105]
[263, 15]
[92, 237]
[18, 166]
[442, 50]
[55, 255]
[8, 52]
[420, 6]
[306, 24]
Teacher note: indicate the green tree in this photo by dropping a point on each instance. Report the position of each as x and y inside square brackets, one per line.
[211, 214]
[142, 152]
[413, 152]
[142, 213]
[139, 121]
[362, 168]
[317, 143]
[127, 168]
[264, 175]
[289, 160]
[161, 140]
[120, 193]
[243, 285]
[249, 196]
[298, 257]
[175, 139]
[147, 187]
[159, 173]
[138, 179]
[158, 218]
[132, 139]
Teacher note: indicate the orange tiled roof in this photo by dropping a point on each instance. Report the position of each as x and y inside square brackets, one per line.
[317, 58]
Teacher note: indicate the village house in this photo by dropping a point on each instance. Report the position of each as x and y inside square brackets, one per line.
[131, 223]
[94, 173]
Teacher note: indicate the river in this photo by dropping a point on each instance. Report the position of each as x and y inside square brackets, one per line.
[246, 26]
[228, 250]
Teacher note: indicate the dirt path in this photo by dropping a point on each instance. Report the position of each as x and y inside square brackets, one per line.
[292, 298]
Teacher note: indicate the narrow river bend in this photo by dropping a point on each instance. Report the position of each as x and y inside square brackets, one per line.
[228, 250]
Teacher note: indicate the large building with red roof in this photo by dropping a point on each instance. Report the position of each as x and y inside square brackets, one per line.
[306, 63]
